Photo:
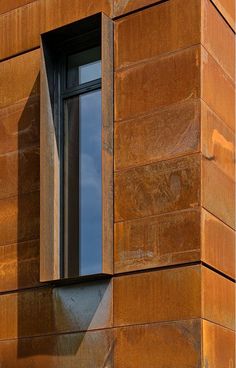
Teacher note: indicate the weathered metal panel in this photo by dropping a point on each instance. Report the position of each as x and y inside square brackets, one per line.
[162, 28]
[218, 299]
[19, 218]
[157, 241]
[170, 132]
[49, 310]
[171, 294]
[160, 345]
[158, 188]
[83, 350]
[19, 265]
[218, 346]
[218, 38]
[157, 83]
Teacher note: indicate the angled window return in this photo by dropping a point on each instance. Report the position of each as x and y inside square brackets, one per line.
[76, 150]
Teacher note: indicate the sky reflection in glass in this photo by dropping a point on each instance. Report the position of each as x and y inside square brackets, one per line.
[90, 196]
[84, 66]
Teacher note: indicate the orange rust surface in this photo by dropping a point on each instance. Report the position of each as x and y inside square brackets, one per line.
[161, 29]
[157, 241]
[218, 299]
[55, 310]
[218, 244]
[158, 188]
[218, 348]
[171, 294]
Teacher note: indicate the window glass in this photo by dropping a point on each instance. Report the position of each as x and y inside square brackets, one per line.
[82, 183]
[90, 183]
[84, 66]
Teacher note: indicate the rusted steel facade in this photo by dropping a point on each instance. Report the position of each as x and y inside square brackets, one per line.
[171, 300]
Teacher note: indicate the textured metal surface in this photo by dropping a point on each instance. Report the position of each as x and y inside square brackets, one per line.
[158, 83]
[160, 345]
[170, 294]
[19, 126]
[20, 29]
[218, 89]
[227, 9]
[19, 172]
[157, 241]
[19, 218]
[170, 132]
[218, 346]
[56, 13]
[133, 34]
[158, 188]
[126, 6]
[19, 78]
[83, 350]
[217, 37]
[54, 310]
[19, 265]
[218, 244]
[217, 142]
[8, 5]
[218, 192]
[218, 299]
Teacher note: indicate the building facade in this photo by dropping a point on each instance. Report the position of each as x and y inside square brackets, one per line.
[165, 296]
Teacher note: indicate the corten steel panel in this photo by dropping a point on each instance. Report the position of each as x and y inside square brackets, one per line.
[218, 166]
[172, 239]
[218, 298]
[218, 346]
[56, 13]
[217, 89]
[218, 192]
[170, 132]
[84, 350]
[107, 88]
[19, 78]
[19, 218]
[49, 183]
[158, 188]
[19, 265]
[162, 28]
[19, 30]
[218, 37]
[159, 345]
[61, 309]
[218, 244]
[227, 9]
[39, 16]
[19, 172]
[157, 241]
[19, 125]
[217, 141]
[163, 295]
[157, 83]
[126, 6]
[8, 5]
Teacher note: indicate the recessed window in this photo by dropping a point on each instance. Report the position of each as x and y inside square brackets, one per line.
[79, 86]
[84, 66]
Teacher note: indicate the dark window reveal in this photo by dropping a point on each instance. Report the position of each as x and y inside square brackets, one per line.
[82, 174]
[84, 66]
[77, 149]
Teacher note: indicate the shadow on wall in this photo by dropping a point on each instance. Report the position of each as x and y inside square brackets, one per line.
[56, 326]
